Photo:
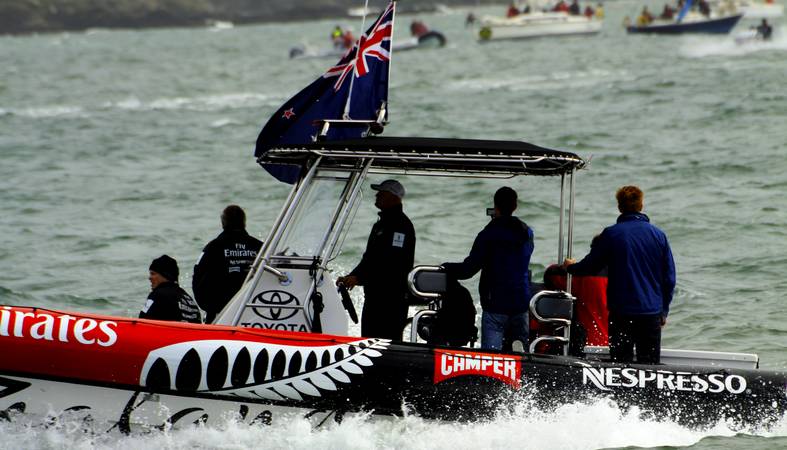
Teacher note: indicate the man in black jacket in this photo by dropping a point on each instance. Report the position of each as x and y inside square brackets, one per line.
[167, 300]
[224, 263]
[501, 251]
[384, 267]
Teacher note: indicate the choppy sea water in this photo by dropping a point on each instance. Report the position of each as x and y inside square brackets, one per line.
[117, 146]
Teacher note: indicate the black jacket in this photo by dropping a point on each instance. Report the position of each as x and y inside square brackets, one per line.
[170, 302]
[389, 256]
[501, 252]
[221, 269]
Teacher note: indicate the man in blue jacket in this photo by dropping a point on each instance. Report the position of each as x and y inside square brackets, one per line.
[641, 279]
[501, 252]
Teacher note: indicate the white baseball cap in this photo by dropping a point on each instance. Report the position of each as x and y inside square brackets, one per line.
[392, 186]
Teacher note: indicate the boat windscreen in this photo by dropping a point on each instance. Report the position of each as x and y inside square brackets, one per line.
[306, 232]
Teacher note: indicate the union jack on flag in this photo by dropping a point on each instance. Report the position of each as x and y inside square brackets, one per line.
[375, 43]
[331, 97]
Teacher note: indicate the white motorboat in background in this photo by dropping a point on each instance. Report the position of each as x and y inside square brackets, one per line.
[759, 10]
[362, 11]
[753, 9]
[537, 24]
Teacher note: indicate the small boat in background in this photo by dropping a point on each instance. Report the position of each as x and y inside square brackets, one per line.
[752, 9]
[362, 11]
[693, 23]
[432, 39]
[219, 25]
[761, 33]
[421, 37]
[343, 40]
[537, 24]
[699, 18]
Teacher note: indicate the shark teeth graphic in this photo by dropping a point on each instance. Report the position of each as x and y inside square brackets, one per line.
[257, 370]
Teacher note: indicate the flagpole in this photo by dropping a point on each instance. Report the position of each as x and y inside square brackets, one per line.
[390, 57]
[346, 114]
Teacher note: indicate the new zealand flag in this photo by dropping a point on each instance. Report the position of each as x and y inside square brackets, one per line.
[355, 88]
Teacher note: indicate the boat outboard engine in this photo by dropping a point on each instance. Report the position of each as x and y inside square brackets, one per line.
[450, 317]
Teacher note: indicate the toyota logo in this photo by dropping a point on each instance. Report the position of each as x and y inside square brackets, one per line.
[272, 300]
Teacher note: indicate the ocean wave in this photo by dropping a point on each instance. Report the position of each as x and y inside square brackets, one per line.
[729, 46]
[78, 301]
[206, 103]
[199, 103]
[597, 425]
[46, 112]
[10, 297]
[561, 80]
[223, 123]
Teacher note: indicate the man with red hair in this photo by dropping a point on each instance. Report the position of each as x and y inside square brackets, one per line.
[641, 279]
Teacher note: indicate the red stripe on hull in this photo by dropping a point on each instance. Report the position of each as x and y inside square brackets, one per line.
[112, 349]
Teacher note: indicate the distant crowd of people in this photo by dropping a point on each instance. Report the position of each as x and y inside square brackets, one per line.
[572, 8]
[669, 13]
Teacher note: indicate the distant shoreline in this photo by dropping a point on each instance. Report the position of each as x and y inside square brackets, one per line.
[52, 16]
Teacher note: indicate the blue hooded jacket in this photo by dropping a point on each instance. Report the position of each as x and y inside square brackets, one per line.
[501, 252]
[640, 265]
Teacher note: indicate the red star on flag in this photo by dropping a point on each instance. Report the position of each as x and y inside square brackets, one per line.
[288, 114]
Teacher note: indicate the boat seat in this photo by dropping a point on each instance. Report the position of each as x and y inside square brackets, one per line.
[426, 284]
[554, 308]
[427, 281]
[454, 325]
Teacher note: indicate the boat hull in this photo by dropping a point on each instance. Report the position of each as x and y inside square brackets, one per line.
[713, 26]
[431, 39]
[126, 373]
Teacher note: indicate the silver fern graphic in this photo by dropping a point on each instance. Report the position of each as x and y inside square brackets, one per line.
[258, 370]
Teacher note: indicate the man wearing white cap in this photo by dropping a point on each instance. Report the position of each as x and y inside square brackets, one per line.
[385, 264]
